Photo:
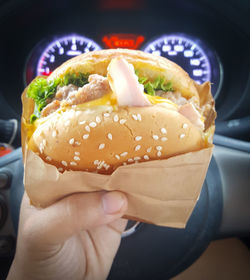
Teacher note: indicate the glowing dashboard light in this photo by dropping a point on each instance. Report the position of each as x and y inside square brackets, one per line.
[128, 41]
[178, 48]
[166, 48]
[195, 62]
[188, 53]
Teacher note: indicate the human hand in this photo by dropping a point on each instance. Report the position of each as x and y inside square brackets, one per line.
[75, 238]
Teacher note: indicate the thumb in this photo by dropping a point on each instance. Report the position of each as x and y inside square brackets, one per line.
[77, 212]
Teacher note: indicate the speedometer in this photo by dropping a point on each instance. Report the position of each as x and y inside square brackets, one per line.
[192, 55]
[62, 49]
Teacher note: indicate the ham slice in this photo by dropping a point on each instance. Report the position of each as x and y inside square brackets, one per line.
[124, 83]
[188, 110]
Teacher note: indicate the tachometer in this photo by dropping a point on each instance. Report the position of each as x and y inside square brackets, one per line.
[62, 49]
[192, 55]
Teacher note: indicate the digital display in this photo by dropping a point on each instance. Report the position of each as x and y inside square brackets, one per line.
[120, 40]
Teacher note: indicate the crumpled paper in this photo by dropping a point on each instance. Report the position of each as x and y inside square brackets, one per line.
[160, 192]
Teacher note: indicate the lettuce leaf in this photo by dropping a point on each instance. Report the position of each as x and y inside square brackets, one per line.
[158, 84]
[42, 91]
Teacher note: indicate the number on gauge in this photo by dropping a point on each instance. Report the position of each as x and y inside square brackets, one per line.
[63, 49]
[185, 52]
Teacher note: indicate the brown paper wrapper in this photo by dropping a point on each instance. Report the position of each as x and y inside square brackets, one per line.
[161, 192]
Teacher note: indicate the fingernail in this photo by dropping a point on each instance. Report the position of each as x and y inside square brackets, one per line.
[112, 202]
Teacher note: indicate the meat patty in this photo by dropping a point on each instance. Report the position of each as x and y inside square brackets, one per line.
[97, 87]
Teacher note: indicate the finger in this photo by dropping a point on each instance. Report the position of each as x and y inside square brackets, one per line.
[74, 213]
[108, 237]
[102, 244]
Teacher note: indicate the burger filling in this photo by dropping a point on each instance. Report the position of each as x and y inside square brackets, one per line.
[122, 79]
[96, 87]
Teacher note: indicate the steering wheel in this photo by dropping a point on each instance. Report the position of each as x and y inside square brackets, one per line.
[154, 252]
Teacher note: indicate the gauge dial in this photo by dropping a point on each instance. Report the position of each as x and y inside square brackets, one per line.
[190, 54]
[62, 49]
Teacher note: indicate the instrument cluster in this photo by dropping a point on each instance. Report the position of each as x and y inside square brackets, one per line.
[198, 59]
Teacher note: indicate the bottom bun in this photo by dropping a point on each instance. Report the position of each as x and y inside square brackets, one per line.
[100, 139]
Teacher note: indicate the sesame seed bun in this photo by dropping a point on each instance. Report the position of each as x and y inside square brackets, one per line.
[102, 138]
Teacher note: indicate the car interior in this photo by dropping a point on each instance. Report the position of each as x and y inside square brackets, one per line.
[210, 40]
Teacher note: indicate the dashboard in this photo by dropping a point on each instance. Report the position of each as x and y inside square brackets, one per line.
[193, 55]
[198, 35]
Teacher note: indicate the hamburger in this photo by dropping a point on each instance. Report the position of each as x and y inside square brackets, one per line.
[104, 109]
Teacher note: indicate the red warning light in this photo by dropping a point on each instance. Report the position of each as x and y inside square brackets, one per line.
[46, 73]
[125, 41]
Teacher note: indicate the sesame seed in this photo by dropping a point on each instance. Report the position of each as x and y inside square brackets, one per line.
[102, 163]
[163, 139]
[130, 160]
[71, 141]
[138, 138]
[82, 122]
[123, 154]
[73, 163]
[149, 149]
[182, 135]
[92, 124]
[106, 166]
[158, 153]
[137, 148]
[155, 137]
[137, 158]
[67, 123]
[85, 136]
[54, 133]
[99, 167]
[48, 158]
[146, 157]
[101, 146]
[60, 169]
[77, 153]
[76, 158]
[116, 118]
[122, 121]
[98, 119]
[118, 157]
[124, 163]
[163, 130]
[106, 115]
[77, 143]
[96, 162]
[185, 125]
[110, 137]
[139, 117]
[64, 163]
[44, 142]
[41, 147]
[134, 117]
[87, 128]
[159, 148]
